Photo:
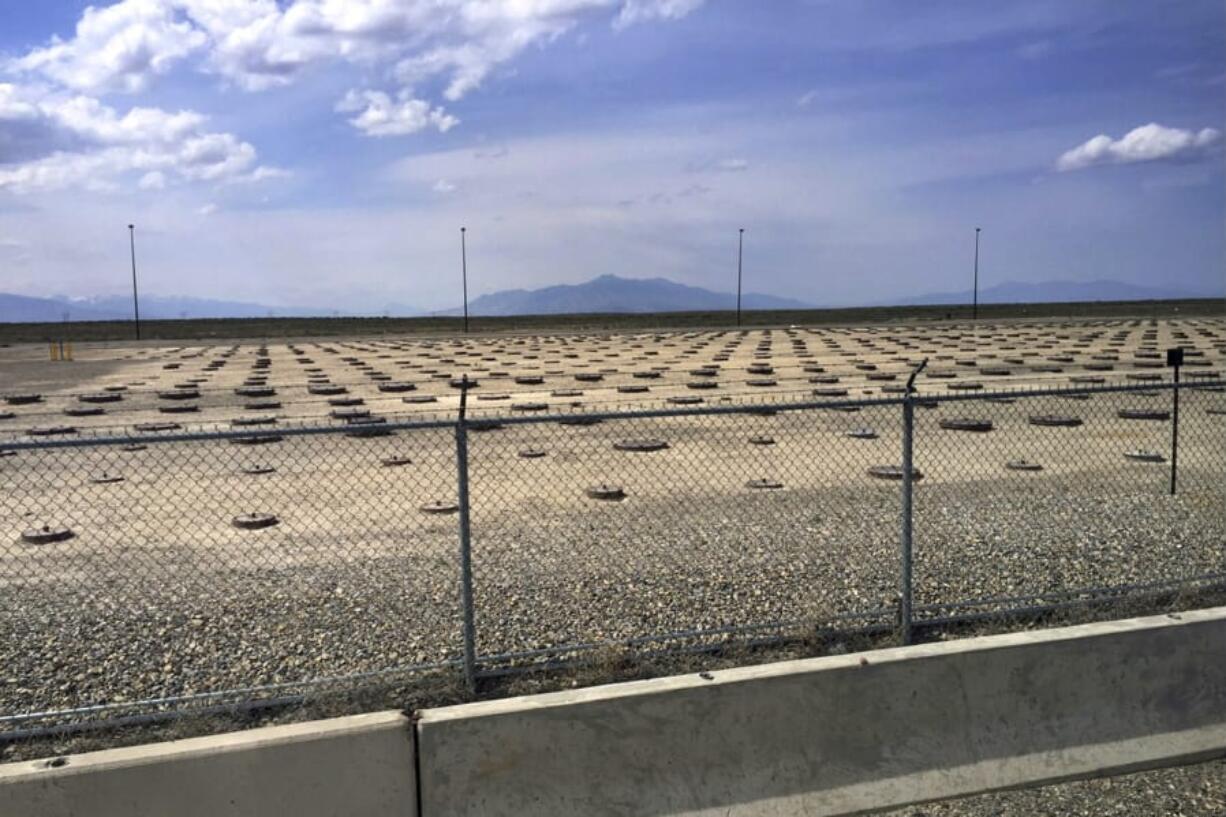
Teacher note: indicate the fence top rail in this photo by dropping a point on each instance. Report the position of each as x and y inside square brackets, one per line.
[401, 423]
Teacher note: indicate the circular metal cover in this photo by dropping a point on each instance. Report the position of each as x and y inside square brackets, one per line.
[396, 387]
[645, 444]
[185, 408]
[1054, 420]
[605, 491]
[84, 411]
[529, 406]
[23, 399]
[255, 521]
[631, 388]
[258, 420]
[105, 479]
[1144, 456]
[830, 392]
[530, 380]
[760, 382]
[262, 405]
[761, 439]
[420, 398]
[532, 453]
[46, 534]
[51, 431]
[1023, 465]
[862, 434]
[258, 469]
[967, 424]
[322, 389]
[255, 391]
[346, 401]
[257, 439]
[702, 384]
[440, 506]
[1142, 414]
[100, 397]
[684, 399]
[179, 394]
[763, 484]
[892, 472]
[395, 461]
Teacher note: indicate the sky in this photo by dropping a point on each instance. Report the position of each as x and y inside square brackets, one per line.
[326, 152]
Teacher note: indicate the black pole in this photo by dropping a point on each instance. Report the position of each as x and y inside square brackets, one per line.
[1175, 431]
[740, 252]
[975, 307]
[464, 274]
[135, 300]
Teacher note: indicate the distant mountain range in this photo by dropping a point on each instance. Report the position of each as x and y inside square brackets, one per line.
[610, 293]
[1019, 292]
[607, 294]
[26, 309]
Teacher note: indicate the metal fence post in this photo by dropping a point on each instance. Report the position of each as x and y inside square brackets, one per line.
[1175, 431]
[466, 568]
[908, 429]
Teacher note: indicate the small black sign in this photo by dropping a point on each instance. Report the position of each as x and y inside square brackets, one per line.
[1174, 357]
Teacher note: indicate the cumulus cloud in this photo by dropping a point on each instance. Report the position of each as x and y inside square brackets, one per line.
[1147, 143]
[262, 44]
[379, 115]
[117, 48]
[443, 186]
[88, 144]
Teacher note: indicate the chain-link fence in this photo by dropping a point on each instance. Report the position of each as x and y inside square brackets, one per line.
[172, 572]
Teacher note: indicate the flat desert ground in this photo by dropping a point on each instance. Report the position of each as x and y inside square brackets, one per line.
[743, 518]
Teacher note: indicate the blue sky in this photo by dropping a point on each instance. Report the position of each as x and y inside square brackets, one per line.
[325, 152]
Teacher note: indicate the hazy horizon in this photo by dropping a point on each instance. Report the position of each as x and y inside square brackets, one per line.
[302, 153]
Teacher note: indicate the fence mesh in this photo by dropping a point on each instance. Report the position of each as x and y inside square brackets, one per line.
[248, 565]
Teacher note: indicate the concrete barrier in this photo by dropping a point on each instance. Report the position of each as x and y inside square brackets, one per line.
[837, 735]
[360, 766]
[843, 734]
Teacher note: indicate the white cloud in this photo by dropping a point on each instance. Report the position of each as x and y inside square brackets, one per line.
[806, 99]
[261, 44]
[443, 186]
[637, 11]
[87, 144]
[1147, 143]
[732, 164]
[153, 180]
[116, 48]
[379, 115]
[206, 209]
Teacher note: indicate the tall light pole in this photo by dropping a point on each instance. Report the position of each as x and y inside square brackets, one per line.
[975, 306]
[740, 253]
[464, 275]
[135, 300]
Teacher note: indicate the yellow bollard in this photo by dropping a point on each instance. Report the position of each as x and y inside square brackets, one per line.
[55, 352]
[66, 354]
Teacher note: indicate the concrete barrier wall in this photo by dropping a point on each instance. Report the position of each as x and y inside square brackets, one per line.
[843, 734]
[360, 766]
[836, 735]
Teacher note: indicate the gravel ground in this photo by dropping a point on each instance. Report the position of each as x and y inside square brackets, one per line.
[1185, 791]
